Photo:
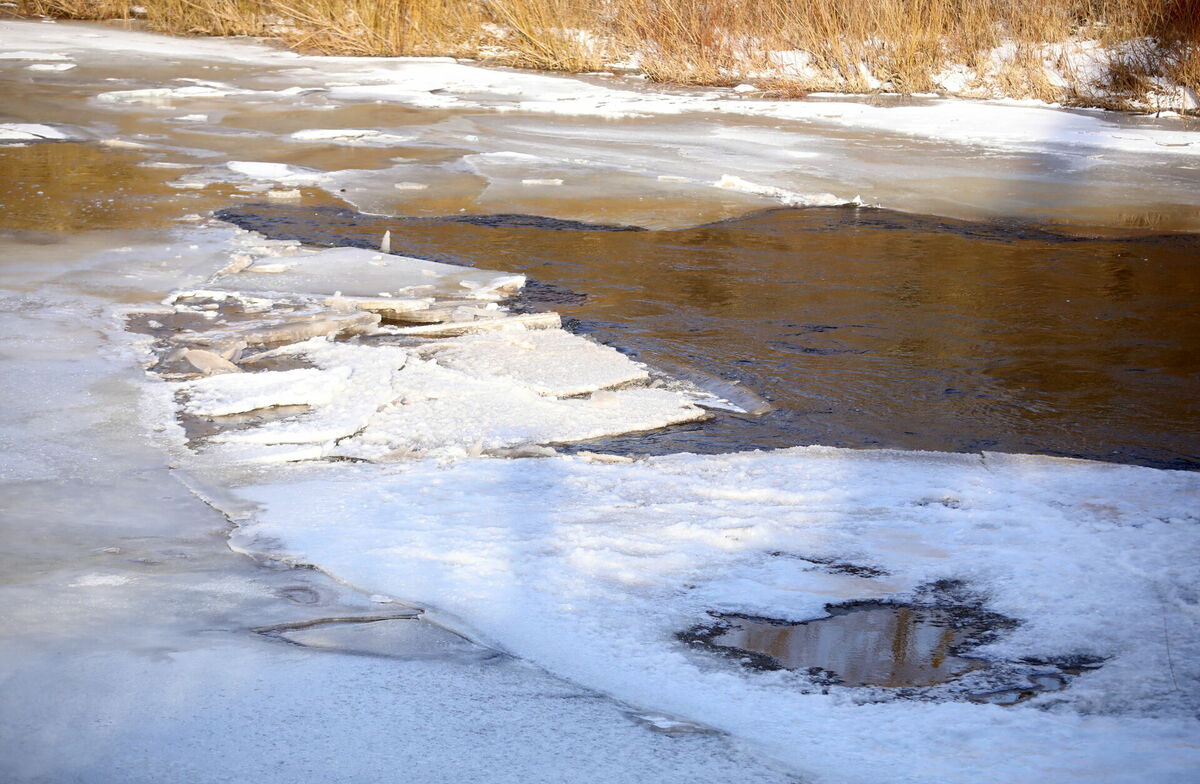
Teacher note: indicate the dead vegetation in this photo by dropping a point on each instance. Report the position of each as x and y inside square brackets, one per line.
[1129, 49]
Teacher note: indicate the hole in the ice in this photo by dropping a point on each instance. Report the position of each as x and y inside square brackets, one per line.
[864, 644]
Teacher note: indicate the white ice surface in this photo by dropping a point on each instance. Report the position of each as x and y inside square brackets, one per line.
[241, 392]
[589, 570]
[367, 136]
[448, 412]
[36, 132]
[548, 361]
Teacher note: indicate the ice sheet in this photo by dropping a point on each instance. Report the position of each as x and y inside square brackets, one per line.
[589, 569]
[362, 273]
[549, 361]
[447, 412]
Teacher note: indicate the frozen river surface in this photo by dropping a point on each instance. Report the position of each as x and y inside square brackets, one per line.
[521, 599]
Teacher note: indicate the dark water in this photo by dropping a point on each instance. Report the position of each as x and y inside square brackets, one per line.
[865, 328]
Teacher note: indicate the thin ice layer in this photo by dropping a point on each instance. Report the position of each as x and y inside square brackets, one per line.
[447, 412]
[589, 570]
[362, 273]
[548, 361]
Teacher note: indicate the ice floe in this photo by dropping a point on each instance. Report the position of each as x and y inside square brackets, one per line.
[297, 338]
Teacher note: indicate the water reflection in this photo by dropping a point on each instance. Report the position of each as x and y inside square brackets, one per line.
[882, 645]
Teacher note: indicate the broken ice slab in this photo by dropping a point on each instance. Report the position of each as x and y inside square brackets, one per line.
[290, 328]
[356, 272]
[351, 385]
[548, 361]
[225, 395]
[522, 322]
[394, 308]
[441, 411]
[209, 362]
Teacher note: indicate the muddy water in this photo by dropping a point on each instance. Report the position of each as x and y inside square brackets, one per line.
[868, 328]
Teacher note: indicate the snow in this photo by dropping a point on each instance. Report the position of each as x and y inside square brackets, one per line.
[588, 569]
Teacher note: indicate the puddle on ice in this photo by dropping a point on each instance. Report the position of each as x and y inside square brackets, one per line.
[887, 645]
[909, 649]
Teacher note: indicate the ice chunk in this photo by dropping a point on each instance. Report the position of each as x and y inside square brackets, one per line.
[782, 195]
[361, 136]
[277, 172]
[282, 329]
[37, 132]
[209, 362]
[359, 380]
[444, 411]
[449, 329]
[164, 95]
[363, 273]
[225, 395]
[548, 361]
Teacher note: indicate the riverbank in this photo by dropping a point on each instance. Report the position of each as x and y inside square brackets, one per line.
[1117, 54]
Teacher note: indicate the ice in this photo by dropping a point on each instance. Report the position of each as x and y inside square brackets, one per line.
[281, 329]
[588, 569]
[37, 132]
[549, 361]
[443, 329]
[783, 196]
[208, 361]
[21, 54]
[276, 172]
[448, 412]
[362, 273]
[224, 395]
[164, 96]
[350, 136]
[351, 385]
[50, 67]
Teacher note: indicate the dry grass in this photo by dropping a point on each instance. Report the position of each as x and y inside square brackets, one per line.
[850, 45]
